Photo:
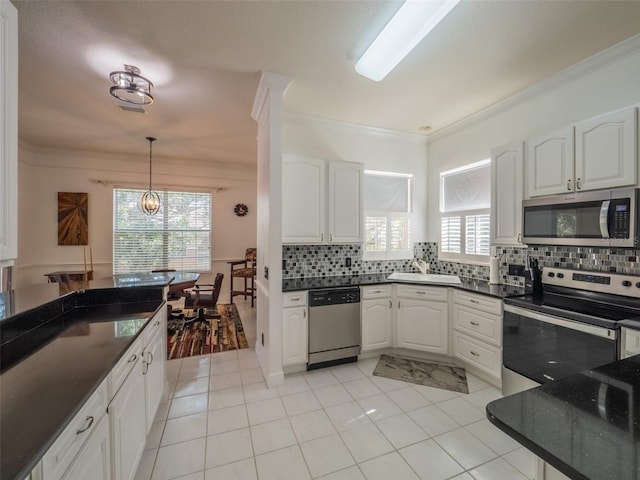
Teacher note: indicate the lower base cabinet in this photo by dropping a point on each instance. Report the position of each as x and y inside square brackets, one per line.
[127, 417]
[94, 460]
[423, 325]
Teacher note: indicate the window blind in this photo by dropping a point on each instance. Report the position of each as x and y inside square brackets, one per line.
[177, 237]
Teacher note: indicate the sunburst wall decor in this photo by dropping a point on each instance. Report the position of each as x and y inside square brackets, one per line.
[72, 218]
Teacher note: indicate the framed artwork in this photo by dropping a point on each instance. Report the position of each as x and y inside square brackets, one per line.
[72, 218]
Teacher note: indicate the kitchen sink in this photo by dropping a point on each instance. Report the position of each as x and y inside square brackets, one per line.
[425, 278]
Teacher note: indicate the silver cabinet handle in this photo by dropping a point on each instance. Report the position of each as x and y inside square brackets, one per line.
[578, 183]
[322, 237]
[473, 300]
[133, 358]
[295, 299]
[473, 353]
[157, 323]
[390, 304]
[421, 292]
[569, 185]
[331, 237]
[398, 303]
[475, 324]
[304, 313]
[519, 238]
[375, 291]
[145, 367]
[88, 421]
[150, 357]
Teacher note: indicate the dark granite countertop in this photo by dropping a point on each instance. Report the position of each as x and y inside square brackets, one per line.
[53, 356]
[587, 426]
[468, 284]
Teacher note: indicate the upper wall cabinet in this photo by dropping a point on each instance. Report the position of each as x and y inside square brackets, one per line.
[604, 156]
[550, 163]
[321, 201]
[506, 194]
[606, 151]
[8, 133]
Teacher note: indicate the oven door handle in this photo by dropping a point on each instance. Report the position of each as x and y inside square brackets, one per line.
[604, 219]
[581, 327]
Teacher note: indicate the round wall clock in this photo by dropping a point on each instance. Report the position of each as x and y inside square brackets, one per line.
[241, 209]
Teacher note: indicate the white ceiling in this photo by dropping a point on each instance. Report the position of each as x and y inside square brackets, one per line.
[205, 58]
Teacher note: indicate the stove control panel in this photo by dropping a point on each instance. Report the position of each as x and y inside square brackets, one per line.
[613, 283]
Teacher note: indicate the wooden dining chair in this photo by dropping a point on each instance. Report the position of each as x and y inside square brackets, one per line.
[245, 270]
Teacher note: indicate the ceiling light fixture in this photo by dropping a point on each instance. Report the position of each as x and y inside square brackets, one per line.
[150, 200]
[411, 23]
[131, 87]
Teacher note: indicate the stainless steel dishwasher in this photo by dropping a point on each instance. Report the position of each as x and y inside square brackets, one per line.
[334, 327]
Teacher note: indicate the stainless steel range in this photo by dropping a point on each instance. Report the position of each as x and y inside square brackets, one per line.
[574, 325]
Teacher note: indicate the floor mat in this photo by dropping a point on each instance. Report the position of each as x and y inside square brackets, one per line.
[211, 335]
[431, 374]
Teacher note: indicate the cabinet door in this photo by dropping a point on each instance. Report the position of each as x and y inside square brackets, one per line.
[94, 460]
[506, 194]
[345, 202]
[606, 151]
[303, 200]
[423, 325]
[376, 324]
[8, 133]
[154, 364]
[295, 335]
[127, 418]
[550, 161]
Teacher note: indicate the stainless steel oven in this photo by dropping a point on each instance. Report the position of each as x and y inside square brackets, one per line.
[598, 218]
[572, 327]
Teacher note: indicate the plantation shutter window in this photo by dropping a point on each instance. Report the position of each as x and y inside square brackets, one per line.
[387, 205]
[178, 237]
[465, 220]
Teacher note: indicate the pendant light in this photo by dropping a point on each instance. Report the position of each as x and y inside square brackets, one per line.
[150, 200]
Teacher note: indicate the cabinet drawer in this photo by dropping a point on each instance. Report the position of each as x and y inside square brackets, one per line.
[124, 366]
[155, 325]
[294, 299]
[376, 291]
[480, 354]
[58, 458]
[422, 292]
[479, 324]
[478, 302]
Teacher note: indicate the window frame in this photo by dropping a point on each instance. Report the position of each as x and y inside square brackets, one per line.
[202, 263]
[463, 214]
[388, 253]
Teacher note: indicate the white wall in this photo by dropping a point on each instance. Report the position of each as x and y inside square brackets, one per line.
[378, 149]
[603, 83]
[45, 172]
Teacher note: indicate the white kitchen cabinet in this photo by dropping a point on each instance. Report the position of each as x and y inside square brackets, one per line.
[376, 317]
[321, 201]
[550, 163]
[154, 364]
[630, 342]
[74, 437]
[345, 197]
[422, 324]
[506, 194]
[606, 155]
[295, 329]
[303, 200]
[477, 332]
[8, 134]
[127, 418]
[94, 460]
[594, 154]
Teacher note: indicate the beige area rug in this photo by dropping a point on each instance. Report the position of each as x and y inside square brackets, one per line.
[211, 335]
[447, 377]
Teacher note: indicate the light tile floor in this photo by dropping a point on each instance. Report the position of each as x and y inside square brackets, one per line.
[222, 422]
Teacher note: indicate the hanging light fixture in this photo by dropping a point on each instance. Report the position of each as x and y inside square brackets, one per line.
[150, 200]
[131, 87]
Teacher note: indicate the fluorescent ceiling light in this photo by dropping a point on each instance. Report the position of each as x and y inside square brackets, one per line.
[410, 24]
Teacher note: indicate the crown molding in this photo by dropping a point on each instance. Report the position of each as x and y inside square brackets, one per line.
[307, 120]
[596, 62]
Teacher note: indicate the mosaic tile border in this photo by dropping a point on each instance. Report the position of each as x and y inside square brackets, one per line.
[303, 261]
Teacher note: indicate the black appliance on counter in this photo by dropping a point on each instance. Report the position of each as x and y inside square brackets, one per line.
[572, 326]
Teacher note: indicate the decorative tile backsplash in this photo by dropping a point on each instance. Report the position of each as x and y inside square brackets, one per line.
[303, 261]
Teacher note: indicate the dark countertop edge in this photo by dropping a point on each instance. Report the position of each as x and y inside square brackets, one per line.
[534, 447]
[360, 280]
[28, 468]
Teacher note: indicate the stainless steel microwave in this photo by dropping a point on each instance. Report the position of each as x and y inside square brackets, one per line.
[600, 218]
